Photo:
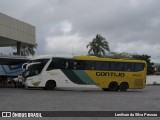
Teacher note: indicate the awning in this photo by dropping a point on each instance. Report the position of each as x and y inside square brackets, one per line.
[13, 60]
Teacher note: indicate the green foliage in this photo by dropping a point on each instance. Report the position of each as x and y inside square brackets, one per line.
[98, 46]
[157, 66]
[158, 69]
[115, 55]
[28, 50]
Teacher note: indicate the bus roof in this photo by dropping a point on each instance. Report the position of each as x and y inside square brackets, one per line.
[85, 58]
[51, 56]
[41, 57]
[105, 59]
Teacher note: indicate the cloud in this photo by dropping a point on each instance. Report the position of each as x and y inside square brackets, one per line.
[128, 25]
[64, 27]
[66, 45]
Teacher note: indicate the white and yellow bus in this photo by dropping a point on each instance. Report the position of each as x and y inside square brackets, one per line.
[83, 71]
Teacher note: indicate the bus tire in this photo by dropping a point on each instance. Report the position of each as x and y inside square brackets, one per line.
[123, 86]
[113, 86]
[50, 85]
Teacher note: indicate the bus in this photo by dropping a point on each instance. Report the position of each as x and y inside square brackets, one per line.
[10, 68]
[84, 71]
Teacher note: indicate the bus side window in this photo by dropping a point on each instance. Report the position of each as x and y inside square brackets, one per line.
[75, 65]
[129, 67]
[66, 65]
[56, 64]
[88, 65]
[139, 66]
[70, 64]
[59, 64]
[51, 66]
[101, 65]
[79, 65]
[116, 66]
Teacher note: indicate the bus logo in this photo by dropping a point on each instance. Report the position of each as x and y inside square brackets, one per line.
[6, 114]
[110, 74]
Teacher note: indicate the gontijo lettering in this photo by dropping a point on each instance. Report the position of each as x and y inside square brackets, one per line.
[110, 74]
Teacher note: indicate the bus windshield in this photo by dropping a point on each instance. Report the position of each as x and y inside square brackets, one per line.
[35, 68]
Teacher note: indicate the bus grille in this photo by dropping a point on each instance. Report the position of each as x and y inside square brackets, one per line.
[138, 83]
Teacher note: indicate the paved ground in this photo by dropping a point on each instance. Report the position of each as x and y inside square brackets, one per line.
[14, 99]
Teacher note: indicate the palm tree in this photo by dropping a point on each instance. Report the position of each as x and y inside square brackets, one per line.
[98, 46]
[28, 50]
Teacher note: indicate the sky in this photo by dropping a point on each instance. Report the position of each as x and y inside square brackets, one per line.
[65, 27]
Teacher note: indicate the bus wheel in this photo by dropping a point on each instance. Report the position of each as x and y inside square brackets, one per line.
[113, 86]
[50, 85]
[123, 86]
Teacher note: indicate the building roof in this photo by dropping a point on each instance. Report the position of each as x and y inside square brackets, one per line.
[12, 60]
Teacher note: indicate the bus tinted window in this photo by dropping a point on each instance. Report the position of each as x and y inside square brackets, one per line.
[116, 66]
[56, 64]
[72, 64]
[88, 65]
[128, 66]
[101, 65]
[139, 66]
[79, 65]
[34, 70]
[95, 65]
[69, 64]
[51, 66]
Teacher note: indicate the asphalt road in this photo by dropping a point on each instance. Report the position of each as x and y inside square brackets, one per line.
[17, 99]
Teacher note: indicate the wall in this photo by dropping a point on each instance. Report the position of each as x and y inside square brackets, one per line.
[13, 30]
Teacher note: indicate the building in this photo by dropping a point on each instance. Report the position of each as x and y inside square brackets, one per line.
[17, 33]
[14, 32]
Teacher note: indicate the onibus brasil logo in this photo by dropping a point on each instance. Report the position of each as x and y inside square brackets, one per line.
[21, 114]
